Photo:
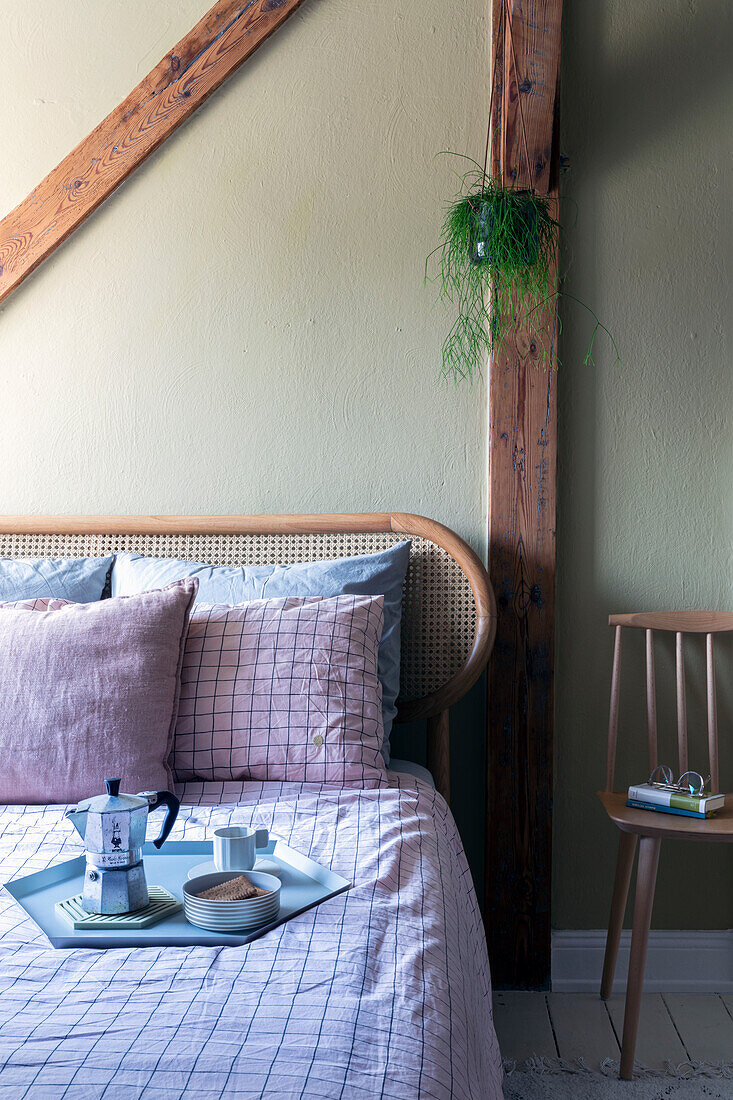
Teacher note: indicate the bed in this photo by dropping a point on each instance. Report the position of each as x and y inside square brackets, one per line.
[383, 991]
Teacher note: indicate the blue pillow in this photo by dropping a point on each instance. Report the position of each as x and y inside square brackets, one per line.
[380, 574]
[81, 580]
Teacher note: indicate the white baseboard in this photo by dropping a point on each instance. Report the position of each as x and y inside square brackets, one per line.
[676, 962]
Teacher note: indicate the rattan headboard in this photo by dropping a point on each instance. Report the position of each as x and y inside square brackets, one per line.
[449, 612]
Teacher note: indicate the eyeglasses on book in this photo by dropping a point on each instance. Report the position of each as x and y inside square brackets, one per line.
[688, 783]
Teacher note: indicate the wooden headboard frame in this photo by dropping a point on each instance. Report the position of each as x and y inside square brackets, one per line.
[432, 706]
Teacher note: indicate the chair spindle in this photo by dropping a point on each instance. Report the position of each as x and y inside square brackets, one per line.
[651, 700]
[712, 717]
[613, 710]
[681, 703]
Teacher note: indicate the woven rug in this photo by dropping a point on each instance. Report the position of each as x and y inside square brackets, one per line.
[559, 1079]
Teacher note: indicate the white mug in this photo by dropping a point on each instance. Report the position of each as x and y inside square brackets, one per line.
[235, 847]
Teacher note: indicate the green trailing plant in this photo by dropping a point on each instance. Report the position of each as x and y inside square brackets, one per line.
[495, 257]
[496, 266]
[498, 254]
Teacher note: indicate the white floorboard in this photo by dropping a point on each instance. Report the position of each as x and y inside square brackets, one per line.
[672, 1027]
[657, 1040]
[704, 1025]
[582, 1027]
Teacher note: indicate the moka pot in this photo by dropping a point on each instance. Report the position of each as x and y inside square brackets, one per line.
[112, 827]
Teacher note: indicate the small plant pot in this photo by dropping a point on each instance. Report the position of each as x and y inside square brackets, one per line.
[516, 206]
[497, 265]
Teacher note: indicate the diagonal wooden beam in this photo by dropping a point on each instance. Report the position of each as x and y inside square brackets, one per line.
[522, 489]
[181, 82]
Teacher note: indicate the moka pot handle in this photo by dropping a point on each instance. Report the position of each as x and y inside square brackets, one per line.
[157, 800]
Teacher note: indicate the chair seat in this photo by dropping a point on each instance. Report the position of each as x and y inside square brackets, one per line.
[649, 823]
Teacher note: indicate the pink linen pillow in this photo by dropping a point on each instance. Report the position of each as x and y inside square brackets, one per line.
[283, 689]
[89, 690]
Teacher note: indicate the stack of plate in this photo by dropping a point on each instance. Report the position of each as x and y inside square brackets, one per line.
[231, 916]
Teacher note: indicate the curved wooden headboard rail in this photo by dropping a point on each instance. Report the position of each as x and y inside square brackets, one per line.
[434, 704]
[198, 525]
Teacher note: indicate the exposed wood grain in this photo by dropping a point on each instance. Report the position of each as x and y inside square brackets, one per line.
[181, 82]
[439, 752]
[522, 489]
[536, 37]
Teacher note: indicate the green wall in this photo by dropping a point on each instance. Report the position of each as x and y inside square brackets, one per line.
[645, 512]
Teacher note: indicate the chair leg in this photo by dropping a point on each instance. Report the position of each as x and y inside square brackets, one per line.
[624, 866]
[646, 877]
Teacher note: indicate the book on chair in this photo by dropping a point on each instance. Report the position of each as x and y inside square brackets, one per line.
[652, 796]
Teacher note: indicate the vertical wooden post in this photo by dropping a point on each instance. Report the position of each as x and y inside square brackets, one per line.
[522, 484]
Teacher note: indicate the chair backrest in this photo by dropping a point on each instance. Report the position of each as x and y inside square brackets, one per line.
[680, 623]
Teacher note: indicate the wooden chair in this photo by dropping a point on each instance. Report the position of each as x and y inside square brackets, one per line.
[649, 826]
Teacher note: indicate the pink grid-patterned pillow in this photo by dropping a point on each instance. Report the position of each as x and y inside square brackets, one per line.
[282, 689]
[39, 603]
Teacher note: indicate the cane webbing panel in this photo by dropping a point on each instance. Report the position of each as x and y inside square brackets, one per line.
[438, 608]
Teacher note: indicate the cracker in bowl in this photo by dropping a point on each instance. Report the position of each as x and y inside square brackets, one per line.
[235, 889]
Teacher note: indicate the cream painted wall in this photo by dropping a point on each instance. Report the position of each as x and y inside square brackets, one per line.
[645, 516]
[243, 327]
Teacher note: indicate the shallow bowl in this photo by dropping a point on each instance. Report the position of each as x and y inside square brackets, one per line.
[232, 914]
[195, 886]
[243, 915]
[211, 924]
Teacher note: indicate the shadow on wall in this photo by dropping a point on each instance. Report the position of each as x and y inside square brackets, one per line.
[641, 83]
[644, 451]
[585, 842]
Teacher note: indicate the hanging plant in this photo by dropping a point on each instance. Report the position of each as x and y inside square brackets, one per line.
[497, 263]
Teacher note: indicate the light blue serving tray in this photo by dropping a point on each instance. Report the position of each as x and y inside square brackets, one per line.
[305, 883]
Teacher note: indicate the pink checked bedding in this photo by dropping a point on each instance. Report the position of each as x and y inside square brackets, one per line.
[383, 991]
[283, 689]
